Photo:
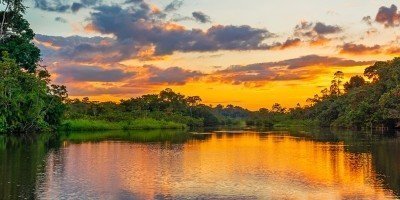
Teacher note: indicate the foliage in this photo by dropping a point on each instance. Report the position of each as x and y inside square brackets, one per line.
[137, 124]
[165, 106]
[21, 98]
[28, 102]
[364, 104]
[16, 36]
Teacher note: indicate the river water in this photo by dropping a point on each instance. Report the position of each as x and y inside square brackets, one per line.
[241, 164]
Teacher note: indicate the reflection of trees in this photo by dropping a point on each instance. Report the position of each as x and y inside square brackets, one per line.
[141, 136]
[384, 150]
[386, 159]
[24, 160]
[21, 161]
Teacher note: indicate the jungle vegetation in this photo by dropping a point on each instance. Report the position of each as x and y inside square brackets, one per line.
[28, 101]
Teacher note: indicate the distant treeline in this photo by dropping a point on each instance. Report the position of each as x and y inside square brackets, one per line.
[175, 107]
[356, 104]
[167, 106]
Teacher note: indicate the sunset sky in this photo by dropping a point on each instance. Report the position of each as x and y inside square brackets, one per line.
[250, 53]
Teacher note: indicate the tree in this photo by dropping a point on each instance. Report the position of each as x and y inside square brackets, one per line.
[336, 83]
[17, 39]
[390, 104]
[354, 82]
[278, 108]
[28, 102]
[16, 36]
[11, 7]
[192, 102]
[22, 104]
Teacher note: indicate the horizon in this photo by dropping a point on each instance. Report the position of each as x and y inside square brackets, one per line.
[272, 53]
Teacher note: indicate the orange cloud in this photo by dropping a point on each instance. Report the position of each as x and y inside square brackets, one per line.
[359, 49]
[393, 50]
[90, 28]
[289, 43]
[319, 41]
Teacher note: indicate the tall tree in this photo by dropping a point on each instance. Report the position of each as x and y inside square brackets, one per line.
[28, 101]
[16, 36]
[336, 83]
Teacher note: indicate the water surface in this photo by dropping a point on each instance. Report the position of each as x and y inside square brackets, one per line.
[221, 165]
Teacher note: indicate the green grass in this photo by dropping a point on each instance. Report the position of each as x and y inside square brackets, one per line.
[136, 124]
[295, 123]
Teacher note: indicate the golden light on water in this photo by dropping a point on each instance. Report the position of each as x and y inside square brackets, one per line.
[245, 165]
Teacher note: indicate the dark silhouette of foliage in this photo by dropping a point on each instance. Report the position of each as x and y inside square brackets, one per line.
[354, 82]
[364, 104]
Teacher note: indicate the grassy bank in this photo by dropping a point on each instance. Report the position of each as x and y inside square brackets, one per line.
[137, 124]
[295, 123]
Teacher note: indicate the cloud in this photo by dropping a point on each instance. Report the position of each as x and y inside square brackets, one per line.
[172, 75]
[367, 20]
[88, 89]
[371, 31]
[323, 29]
[290, 69]
[173, 6]
[289, 43]
[316, 60]
[60, 19]
[83, 73]
[63, 6]
[319, 41]
[138, 30]
[177, 18]
[78, 49]
[358, 49]
[75, 7]
[388, 16]
[309, 29]
[53, 6]
[394, 50]
[196, 16]
[201, 17]
[138, 26]
[305, 61]
[133, 1]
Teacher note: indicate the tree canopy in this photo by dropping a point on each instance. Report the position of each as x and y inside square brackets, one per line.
[28, 101]
[365, 103]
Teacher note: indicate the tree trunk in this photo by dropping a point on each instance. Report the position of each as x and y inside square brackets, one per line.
[3, 21]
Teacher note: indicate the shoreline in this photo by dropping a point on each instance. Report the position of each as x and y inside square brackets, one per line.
[102, 125]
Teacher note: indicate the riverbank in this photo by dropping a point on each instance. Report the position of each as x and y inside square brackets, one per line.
[101, 125]
[153, 124]
[295, 123]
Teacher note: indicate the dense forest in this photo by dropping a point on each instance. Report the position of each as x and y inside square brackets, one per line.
[360, 104]
[30, 103]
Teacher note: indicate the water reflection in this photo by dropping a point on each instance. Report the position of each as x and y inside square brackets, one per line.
[232, 165]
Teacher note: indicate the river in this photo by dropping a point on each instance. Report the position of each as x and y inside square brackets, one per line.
[219, 164]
